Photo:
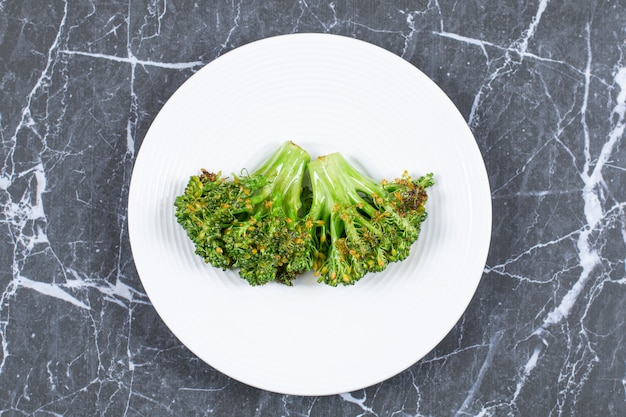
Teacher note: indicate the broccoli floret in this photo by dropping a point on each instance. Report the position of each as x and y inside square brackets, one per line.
[251, 222]
[278, 222]
[203, 211]
[357, 225]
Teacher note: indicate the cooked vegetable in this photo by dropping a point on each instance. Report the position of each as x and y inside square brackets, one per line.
[277, 222]
[359, 225]
[251, 222]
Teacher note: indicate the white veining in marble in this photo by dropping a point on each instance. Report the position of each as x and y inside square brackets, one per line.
[542, 84]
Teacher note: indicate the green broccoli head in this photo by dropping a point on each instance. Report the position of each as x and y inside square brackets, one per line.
[203, 210]
[358, 225]
[251, 221]
[278, 222]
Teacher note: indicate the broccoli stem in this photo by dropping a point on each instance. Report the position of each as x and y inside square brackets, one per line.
[334, 183]
[284, 172]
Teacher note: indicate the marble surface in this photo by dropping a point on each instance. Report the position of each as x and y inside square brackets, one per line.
[542, 84]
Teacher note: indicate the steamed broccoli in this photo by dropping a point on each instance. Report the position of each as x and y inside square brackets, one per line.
[359, 225]
[251, 222]
[278, 222]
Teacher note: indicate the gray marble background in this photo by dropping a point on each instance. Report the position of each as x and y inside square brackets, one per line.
[542, 84]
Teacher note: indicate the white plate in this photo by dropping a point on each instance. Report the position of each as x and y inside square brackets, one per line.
[327, 93]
